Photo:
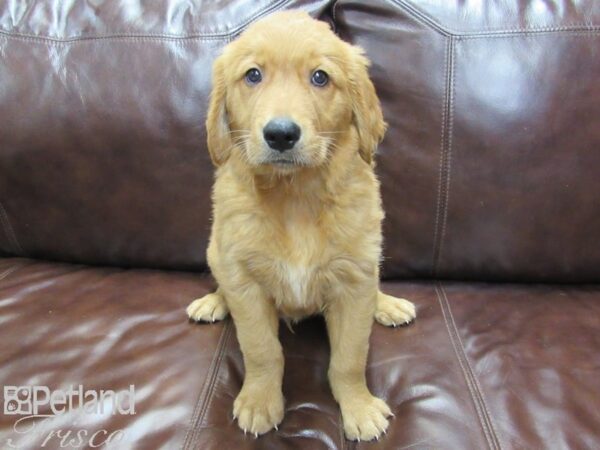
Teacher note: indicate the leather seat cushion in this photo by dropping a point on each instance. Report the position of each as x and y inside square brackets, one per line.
[485, 365]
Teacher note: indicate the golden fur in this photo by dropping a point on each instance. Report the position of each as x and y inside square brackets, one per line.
[297, 239]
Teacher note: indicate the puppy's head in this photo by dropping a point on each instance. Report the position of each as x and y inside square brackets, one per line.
[287, 93]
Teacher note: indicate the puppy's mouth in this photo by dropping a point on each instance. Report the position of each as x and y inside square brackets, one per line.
[283, 163]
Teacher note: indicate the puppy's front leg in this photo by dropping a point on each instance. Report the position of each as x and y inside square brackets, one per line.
[259, 405]
[349, 319]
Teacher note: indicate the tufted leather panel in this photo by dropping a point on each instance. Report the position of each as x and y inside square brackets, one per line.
[102, 145]
[489, 167]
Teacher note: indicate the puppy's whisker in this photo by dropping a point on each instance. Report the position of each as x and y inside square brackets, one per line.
[241, 140]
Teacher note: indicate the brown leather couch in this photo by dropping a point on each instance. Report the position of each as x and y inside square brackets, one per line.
[491, 183]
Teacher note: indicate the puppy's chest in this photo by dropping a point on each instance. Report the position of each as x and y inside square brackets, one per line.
[296, 290]
[294, 258]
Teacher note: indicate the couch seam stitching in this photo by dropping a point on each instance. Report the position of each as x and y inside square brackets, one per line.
[441, 159]
[216, 374]
[341, 431]
[429, 21]
[475, 379]
[236, 29]
[473, 386]
[470, 387]
[207, 390]
[590, 32]
[199, 400]
[115, 37]
[334, 16]
[445, 129]
[10, 232]
[448, 162]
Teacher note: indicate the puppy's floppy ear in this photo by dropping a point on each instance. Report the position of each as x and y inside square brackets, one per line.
[366, 108]
[217, 124]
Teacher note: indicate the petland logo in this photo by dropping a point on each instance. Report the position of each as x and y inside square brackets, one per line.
[28, 400]
[40, 408]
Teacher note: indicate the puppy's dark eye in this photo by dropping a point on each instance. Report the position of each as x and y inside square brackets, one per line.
[253, 76]
[319, 78]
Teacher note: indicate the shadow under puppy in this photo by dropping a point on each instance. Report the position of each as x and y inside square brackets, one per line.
[293, 124]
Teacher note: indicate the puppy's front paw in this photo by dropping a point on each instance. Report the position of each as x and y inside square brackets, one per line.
[392, 311]
[365, 417]
[210, 308]
[258, 411]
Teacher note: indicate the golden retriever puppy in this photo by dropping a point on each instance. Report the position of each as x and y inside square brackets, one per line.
[293, 124]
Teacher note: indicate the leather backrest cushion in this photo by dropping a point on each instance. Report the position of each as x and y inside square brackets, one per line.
[102, 144]
[489, 168]
[491, 165]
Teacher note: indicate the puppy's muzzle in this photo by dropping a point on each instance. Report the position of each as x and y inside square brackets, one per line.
[281, 134]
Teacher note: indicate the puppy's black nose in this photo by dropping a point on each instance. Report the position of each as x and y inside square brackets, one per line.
[281, 134]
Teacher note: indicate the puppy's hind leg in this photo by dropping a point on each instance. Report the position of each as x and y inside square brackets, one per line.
[210, 308]
[393, 311]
